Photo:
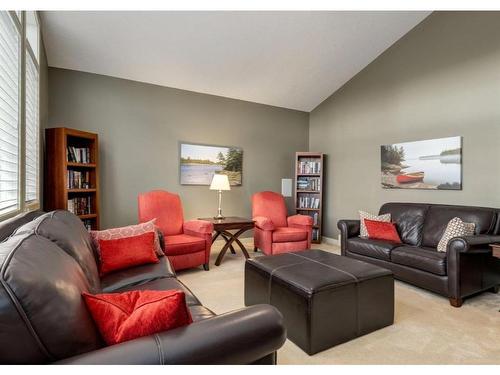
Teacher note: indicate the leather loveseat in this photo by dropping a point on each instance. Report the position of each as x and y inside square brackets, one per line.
[46, 264]
[465, 269]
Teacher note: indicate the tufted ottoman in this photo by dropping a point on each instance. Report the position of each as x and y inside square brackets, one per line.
[326, 299]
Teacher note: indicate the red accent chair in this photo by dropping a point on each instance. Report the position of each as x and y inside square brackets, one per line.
[187, 243]
[274, 232]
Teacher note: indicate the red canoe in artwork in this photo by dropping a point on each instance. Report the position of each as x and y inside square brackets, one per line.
[410, 177]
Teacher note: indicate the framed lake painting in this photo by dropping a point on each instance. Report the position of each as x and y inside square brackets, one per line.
[429, 164]
[200, 162]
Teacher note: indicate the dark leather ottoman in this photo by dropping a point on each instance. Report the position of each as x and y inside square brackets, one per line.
[326, 299]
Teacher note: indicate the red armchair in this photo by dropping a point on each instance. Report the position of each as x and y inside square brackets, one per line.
[274, 232]
[187, 243]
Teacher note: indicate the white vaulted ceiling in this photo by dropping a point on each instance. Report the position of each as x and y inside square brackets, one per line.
[287, 59]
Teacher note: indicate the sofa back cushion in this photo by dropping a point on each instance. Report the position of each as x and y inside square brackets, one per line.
[67, 231]
[409, 219]
[7, 227]
[43, 316]
[438, 217]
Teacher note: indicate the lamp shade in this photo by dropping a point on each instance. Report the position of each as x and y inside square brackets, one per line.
[220, 182]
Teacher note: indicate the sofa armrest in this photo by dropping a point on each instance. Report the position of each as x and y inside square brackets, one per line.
[200, 227]
[478, 244]
[239, 337]
[304, 220]
[349, 228]
[263, 223]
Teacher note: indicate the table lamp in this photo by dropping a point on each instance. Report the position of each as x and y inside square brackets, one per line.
[220, 182]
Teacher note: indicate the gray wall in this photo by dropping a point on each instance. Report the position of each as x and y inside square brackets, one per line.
[140, 126]
[442, 79]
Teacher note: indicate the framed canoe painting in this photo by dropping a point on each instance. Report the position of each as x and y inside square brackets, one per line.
[429, 164]
[198, 163]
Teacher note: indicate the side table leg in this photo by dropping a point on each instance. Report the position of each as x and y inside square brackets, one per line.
[230, 246]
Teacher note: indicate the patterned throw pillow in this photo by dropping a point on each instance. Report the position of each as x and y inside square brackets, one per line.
[365, 215]
[128, 231]
[455, 228]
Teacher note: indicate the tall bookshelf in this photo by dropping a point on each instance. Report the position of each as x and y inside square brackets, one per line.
[309, 188]
[72, 173]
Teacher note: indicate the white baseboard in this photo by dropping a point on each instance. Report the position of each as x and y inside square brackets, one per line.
[331, 241]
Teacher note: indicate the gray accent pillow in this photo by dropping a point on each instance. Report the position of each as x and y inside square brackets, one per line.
[455, 228]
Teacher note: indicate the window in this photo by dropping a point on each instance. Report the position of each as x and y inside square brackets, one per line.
[19, 112]
[32, 121]
[10, 40]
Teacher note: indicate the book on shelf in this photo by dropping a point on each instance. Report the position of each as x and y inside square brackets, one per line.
[307, 201]
[309, 166]
[308, 183]
[88, 224]
[314, 215]
[78, 179]
[315, 234]
[80, 205]
[78, 154]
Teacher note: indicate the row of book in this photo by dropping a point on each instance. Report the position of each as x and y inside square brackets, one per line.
[308, 183]
[78, 154]
[308, 201]
[315, 234]
[80, 205]
[309, 167]
[314, 215]
[78, 179]
[88, 224]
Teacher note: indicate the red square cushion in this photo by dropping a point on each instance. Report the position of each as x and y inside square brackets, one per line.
[127, 252]
[381, 230]
[128, 231]
[126, 316]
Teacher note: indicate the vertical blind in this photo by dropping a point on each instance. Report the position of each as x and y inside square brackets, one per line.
[9, 114]
[32, 129]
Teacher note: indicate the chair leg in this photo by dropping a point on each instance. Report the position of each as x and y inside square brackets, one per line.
[206, 267]
[255, 249]
[456, 302]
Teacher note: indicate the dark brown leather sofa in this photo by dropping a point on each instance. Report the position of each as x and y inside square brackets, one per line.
[465, 269]
[46, 264]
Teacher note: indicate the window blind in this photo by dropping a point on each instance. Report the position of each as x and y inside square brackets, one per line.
[9, 114]
[32, 129]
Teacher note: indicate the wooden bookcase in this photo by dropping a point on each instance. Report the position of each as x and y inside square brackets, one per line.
[309, 188]
[58, 167]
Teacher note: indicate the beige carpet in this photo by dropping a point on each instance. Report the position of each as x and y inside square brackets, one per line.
[427, 330]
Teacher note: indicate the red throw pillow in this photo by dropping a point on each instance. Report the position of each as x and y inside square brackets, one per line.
[127, 252]
[126, 316]
[381, 230]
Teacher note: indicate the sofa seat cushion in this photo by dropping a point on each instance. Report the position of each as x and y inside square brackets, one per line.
[168, 283]
[371, 248]
[289, 234]
[137, 275]
[424, 259]
[183, 244]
